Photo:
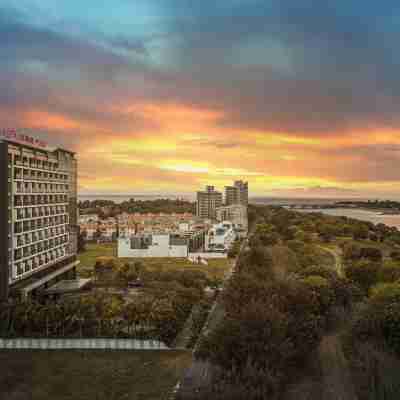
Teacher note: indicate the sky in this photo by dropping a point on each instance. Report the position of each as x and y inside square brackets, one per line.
[300, 98]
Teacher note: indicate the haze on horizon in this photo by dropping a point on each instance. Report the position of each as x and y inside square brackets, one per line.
[165, 96]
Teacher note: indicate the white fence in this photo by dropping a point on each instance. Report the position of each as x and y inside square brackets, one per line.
[81, 344]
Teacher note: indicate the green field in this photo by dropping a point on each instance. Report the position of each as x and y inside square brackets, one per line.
[88, 258]
[216, 268]
[84, 375]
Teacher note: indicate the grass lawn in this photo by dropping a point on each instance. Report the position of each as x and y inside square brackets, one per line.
[84, 375]
[88, 258]
[216, 268]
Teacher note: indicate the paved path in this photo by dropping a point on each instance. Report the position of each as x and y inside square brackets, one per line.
[336, 253]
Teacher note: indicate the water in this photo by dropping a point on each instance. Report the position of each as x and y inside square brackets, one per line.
[356, 213]
[309, 201]
[363, 215]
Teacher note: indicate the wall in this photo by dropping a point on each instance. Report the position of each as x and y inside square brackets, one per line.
[159, 248]
[86, 344]
[208, 255]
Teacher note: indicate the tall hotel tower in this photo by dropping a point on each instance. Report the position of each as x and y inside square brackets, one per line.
[38, 215]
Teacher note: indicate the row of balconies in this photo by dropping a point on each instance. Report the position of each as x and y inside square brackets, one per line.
[36, 249]
[39, 261]
[40, 188]
[35, 175]
[34, 200]
[36, 163]
[30, 238]
[37, 212]
[36, 224]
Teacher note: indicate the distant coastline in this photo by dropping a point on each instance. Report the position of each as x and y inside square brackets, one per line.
[119, 198]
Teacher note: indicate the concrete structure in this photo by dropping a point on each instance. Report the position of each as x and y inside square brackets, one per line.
[235, 213]
[237, 194]
[160, 245]
[81, 344]
[221, 237]
[207, 203]
[38, 214]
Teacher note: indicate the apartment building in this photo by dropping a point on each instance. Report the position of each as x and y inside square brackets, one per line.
[237, 194]
[38, 214]
[207, 203]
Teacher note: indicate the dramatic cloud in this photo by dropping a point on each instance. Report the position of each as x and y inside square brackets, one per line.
[168, 95]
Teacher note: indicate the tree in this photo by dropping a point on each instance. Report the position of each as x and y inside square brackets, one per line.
[351, 251]
[364, 273]
[360, 231]
[82, 235]
[327, 232]
[267, 234]
[322, 289]
[390, 271]
[371, 253]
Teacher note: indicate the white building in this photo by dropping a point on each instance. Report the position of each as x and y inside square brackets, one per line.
[153, 245]
[221, 237]
[235, 213]
[88, 218]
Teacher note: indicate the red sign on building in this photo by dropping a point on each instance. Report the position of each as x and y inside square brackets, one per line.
[20, 137]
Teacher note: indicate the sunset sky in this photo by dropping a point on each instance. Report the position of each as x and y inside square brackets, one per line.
[300, 98]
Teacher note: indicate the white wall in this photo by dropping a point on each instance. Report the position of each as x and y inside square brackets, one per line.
[208, 255]
[159, 248]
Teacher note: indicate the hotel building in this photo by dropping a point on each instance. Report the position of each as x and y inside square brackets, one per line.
[38, 215]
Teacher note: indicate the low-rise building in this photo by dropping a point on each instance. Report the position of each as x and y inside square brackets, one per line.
[88, 218]
[235, 213]
[221, 237]
[165, 244]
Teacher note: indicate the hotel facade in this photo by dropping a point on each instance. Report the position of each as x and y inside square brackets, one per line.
[38, 215]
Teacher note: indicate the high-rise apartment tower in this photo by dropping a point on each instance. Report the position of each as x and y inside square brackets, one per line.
[237, 194]
[207, 202]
